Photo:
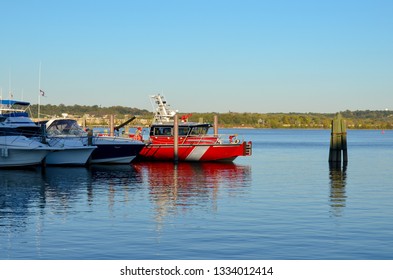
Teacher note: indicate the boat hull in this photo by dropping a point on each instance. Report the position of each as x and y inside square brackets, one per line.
[115, 153]
[20, 151]
[19, 157]
[188, 152]
[70, 156]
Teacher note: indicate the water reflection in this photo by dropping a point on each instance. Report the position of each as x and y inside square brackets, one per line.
[179, 188]
[64, 186]
[56, 192]
[17, 189]
[338, 176]
[113, 181]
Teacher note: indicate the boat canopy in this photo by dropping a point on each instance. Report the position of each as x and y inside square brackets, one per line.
[10, 102]
[64, 127]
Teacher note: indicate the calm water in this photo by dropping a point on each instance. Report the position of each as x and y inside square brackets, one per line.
[282, 203]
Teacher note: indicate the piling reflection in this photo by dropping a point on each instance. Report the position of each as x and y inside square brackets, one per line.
[178, 188]
[338, 176]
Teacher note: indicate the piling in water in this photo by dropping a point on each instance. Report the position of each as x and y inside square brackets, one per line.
[112, 125]
[176, 139]
[90, 137]
[215, 125]
[338, 141]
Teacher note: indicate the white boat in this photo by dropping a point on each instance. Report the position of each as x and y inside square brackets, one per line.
[72, 152]
[20, 151]
[15, 121]
[110, 150]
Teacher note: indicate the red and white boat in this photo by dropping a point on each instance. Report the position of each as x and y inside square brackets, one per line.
[194, 142]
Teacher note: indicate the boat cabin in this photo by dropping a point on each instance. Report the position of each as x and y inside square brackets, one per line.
[185, 129]
[14, 119]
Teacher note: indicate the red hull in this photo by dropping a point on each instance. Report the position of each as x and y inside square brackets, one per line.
[196, 152]
[163, 177]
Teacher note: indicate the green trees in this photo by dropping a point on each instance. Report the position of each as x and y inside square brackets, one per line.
[355, 119]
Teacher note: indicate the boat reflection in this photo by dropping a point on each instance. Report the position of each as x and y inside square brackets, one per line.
[177, 188]
[50, 192]
[65, 186]
[338, 176]
[19, 188]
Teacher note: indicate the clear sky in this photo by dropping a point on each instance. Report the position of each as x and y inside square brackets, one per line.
[202, 55]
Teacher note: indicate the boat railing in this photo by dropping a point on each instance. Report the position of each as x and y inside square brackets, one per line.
[207, 139]
[115, 139]
[12, 138]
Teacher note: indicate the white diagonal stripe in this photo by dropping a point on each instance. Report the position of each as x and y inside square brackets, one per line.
[197, 153]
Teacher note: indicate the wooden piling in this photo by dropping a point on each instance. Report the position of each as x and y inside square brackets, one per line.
[112, 125]
[90, 137]
[338, 141]
[215, 125]
[84, 122]
[176, 139]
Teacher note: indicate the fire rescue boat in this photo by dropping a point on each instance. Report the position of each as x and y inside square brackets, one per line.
[194, 142]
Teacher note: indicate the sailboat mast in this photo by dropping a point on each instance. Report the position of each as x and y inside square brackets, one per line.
[39, 91]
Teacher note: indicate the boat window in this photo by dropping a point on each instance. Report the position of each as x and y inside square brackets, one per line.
[162, 131]
[199, 130]
[65, 127]
[183, 130]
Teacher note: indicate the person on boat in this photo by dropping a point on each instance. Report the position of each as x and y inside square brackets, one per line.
[138, 134]
[167, 131]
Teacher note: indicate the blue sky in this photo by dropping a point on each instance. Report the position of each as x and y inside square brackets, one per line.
[203, 56]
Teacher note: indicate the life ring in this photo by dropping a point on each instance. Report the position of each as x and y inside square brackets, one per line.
[233, 140]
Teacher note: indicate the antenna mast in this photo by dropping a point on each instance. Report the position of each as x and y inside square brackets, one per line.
[39, 91]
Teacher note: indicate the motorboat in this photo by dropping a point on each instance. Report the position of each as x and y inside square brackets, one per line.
[110, 149]
[16, 121]
[194, 142]
[20, 151]
[71, 152]
[18, 147]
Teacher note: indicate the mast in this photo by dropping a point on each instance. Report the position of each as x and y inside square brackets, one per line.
[39, 91]
[10, 95]
[162, 111]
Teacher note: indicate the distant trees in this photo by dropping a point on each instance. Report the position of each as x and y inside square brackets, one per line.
[81, 110]
[355, 119]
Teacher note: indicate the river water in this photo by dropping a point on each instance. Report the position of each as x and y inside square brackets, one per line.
[282, 203]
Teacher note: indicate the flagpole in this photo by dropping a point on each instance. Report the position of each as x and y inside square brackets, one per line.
[9, 86]
[39, 91]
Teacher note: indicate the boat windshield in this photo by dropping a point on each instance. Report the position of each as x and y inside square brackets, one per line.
[65, 127]
[162, 131]
[183, 130]
[199, 130]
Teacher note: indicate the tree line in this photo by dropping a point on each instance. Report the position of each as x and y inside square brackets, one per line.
[366, 119]
[355, 119]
